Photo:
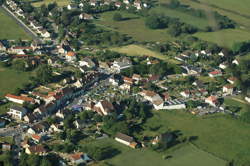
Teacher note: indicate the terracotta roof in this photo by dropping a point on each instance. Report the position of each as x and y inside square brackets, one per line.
[124, 137]
[37, 149]
[71, 53]
[215, 72]
[232, 78]
[22, 48]
[37, 137]
[28, 99]
[76, 156]
[212, 98]
[149, 93]
[127, 79]
[21, 56]
[229, 86]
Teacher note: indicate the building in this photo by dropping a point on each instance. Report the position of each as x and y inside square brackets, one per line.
[36, 149]
[19, 99]
[121, 63]
[2, 47]
[126, 140]
[169, 105]
[212, 100]
[228, 89]
[79, 158]
[128, 80]
[232, 80]
[17, 112]
[70, 56]
[215, 73]
[104, 107]
[85, 16]
[151, 96]
[87, 62]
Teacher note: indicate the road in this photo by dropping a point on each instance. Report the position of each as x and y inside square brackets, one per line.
[20, 22]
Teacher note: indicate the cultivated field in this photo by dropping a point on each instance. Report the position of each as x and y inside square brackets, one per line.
[59, 2]
[136, 50]
[133, 26]
[223, 136]
[187, 154]
[9, 29]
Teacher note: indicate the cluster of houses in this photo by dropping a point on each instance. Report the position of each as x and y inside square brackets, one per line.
[15, 8]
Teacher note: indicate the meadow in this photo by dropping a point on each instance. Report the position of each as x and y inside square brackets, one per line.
[186, 153]
[59, 2]
[9, 29]
[132, 25]
[137, 50]
[219, 135]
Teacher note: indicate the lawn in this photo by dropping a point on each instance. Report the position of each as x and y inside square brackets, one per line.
[11, 80]
[7, 139]
[222, 136]
[136, 50]
[187, 154]
[9, 29]
[237, 102]
[226, 37]
[59, 2]
[133, 26]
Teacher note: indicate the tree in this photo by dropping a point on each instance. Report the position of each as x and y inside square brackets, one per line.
[2, 2]
[117, 17]
[44, 74]
[19, 65]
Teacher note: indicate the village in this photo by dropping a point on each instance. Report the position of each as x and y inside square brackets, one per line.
[80, 96]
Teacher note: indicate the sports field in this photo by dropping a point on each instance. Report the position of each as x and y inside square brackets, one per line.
[187, 154]
[9, 29]
[59, 2]
[134, 26]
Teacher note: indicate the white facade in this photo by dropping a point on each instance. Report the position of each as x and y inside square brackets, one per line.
[122, 141]
[17, 114]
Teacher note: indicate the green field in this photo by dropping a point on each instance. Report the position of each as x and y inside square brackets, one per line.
[9, 29]
[133, 26]
[187, 154]
[136, 50]
[226, 37]
[237, 102]
[222, 136]
[59, 2]
[11, 80]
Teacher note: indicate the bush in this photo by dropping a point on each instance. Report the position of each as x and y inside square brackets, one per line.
[117, 17]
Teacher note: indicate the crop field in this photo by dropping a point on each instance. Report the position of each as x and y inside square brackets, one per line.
[9, 29]
[220, 135]
[59, 2]
[133, 26]
[187, 154]
[136, 50]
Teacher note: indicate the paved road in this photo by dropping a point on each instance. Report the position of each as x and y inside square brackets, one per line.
[19, 22]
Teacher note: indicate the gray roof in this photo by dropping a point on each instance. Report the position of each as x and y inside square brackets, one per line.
[18, 108]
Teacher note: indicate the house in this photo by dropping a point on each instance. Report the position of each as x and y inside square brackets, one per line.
[137, 78]
[93, 2]
[89, 105]
[185, 93]
[17, 112]
[212, 100]
[19, 49]
[153, 78]
[150, 96]
[36, 138]
[232, 80]
[87, 62]
[19, 99]
[206, 52]
[56, 128]
[104, 65]
[30, 118]
[128, 80]
[164, 138]
[72, 7]
[165, 96]
[126, 1]
[121, 63]
[247, 99]
[215, 73]
[79, 158]
[115, 79]
[45, 34]
[191, 70]
[38, 128]
[169, 105]
[80, 124]
[126, 140]
[236, 62]
[6, 147]
[104, 107]
[199, 84]
[125, 86]
[118, 4]
[228, 89]
[70, 56]
[45, 109]
[138, 4]
[2, 46]
[36, 149]
[223, 66]
[85, 16]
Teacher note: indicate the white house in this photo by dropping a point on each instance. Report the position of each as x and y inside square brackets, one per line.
[104, 107]
[17, 112]
[185, 93]
[215, 73]
[212, 100]
[228, 89]
[232, 80]
[121, 64]
[247, 99]
[19, 99]
[45, 34]
[125, 139]
[87, 62]
[70, 56]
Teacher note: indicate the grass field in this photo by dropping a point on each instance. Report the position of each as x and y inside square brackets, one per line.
[133, 26]
[11, 80]
[225, 38]
[187, 154]
[136, 50]
[9, 29]
[237, 102]
[59, 2]
[222, 136]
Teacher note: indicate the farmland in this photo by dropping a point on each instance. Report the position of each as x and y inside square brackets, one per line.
[214, 133]
[10, 29]
[187, 154]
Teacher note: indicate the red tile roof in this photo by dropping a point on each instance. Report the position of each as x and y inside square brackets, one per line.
[28, 99]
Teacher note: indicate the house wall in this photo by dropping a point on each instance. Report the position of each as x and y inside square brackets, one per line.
[122, 141]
